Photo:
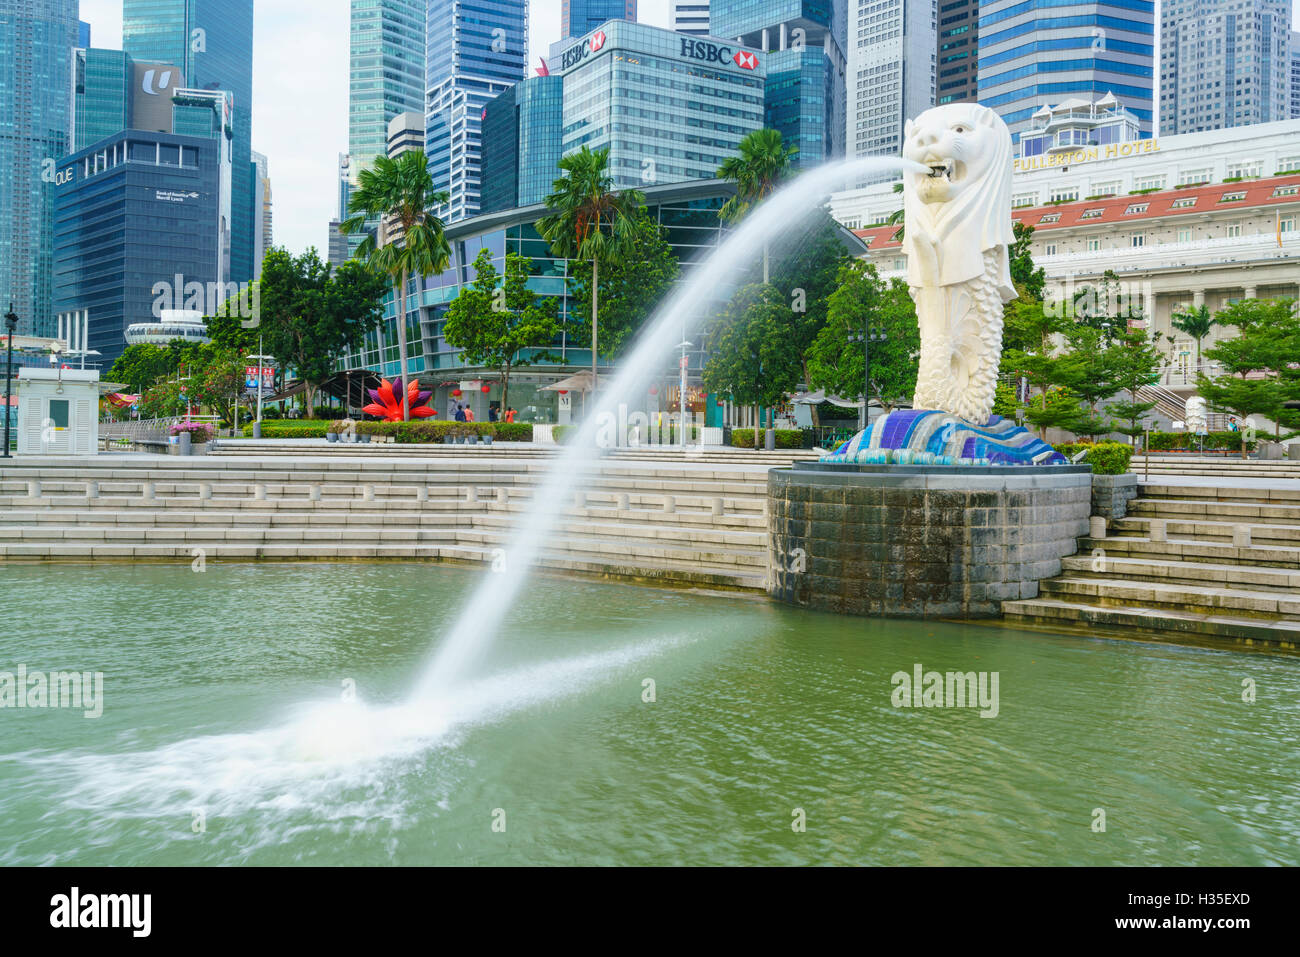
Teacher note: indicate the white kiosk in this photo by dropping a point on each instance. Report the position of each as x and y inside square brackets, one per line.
[58, 411]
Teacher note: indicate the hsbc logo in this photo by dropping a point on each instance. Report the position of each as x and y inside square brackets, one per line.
[713, 53]
[575, 55]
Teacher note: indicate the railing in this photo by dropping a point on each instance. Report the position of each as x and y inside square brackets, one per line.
[152, 430]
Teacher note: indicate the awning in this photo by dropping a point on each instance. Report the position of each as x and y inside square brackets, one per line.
[574, 383]
[820, 396]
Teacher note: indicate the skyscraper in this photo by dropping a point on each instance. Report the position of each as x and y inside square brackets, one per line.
[264, 240]
[37, 38]
[1224, 63]
[805, 41]
[475, 52]
[1295, 74]
[211, 41]
[691, 16]
[958, 65]
[1035, 53]
[522, 143]
[891, 73]
[580, 17]
[387, 72]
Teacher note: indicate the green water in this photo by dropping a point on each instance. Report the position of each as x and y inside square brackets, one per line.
[225, 737]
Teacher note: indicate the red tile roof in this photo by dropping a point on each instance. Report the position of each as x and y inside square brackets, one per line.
[1259, 194]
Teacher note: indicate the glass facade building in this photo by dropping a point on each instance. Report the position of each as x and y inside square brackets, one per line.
[522, 134]
[580, 17]
[37, 38]
[476, 50]
[891, 73]
[1035, 53]
[669, 107]
[958, 49]
[134, 211]
[386, 78]
[1224, 63]
[102, 92]
[212, 43]
[806, 42]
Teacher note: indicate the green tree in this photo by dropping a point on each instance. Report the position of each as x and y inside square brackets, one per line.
[864, 302]
[1028, 278]
[1087, 368]
[494, 320]
[591, 221]
[632, 286]
[1136, 364]
[752, 357]
[1261, 364]
[226, 329]
[310, 316]
[809, 275]
[762, 163]
[1195, 322]
[400, 193]
[142, 365]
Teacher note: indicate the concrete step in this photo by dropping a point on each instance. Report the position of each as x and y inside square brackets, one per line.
[1154, 624]
[1275, 493]
[1185, 573]
[1187, 509]
[1210, 531]
[1219, 553]
[1203, 599]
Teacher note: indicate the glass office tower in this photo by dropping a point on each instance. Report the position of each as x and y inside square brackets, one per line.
[805, 41]
[580, 17]
[37, 38]
[522, 134]
[1036, 53]
[212, 42]
[475, 53]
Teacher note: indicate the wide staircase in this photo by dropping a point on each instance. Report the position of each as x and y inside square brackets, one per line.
[681, 524]
[1215, 466]
[1216, 566]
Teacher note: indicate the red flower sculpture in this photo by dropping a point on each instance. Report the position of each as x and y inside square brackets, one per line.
[388, 404]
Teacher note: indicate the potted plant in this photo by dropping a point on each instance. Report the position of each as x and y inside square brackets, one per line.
[341, 430]
[192, 437]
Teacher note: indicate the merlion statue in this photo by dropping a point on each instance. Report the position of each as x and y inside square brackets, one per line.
[957, 217]
[1197, 418]
[957, 220]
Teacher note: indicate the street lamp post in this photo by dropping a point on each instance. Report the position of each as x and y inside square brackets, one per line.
[685, 366]
[866, 339]
[257, 425]
[11, 326]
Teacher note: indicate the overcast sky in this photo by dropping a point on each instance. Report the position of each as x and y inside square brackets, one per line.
[300, 96]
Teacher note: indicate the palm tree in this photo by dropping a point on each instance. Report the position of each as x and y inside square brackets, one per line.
[1194, 322]
[400, 194]
[590, 220]
[763, 164]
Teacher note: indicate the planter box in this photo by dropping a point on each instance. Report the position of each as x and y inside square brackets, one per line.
[1111, 495]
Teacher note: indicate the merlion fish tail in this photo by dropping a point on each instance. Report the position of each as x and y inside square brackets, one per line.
[977, 346]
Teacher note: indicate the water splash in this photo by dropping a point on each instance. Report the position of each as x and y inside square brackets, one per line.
[711, 278]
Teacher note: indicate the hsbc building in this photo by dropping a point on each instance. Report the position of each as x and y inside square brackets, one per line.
[668, 106]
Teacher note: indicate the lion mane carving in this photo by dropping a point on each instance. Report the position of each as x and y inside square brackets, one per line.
[957, 217]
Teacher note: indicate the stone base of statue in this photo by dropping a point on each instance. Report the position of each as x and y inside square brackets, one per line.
[919, 437]
[924, 541]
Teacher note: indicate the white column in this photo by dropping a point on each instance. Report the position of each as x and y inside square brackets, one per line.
[1251, 292]
[1198, 298]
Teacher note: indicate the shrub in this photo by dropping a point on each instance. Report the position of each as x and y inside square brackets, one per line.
[562, 432]
[514, 431]
[340, 426]
[198, 432]
[1109, 458]
[290, 429]
[785, 438]
[424, 432]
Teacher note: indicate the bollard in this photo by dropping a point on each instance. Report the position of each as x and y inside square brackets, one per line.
[368, 493]
[205, 492]
[717, 506]
[259, 493]
[624, 502]
[92, 490]
[579, 499]
[33, 489]
[670, 504]
[1097, 526]
[503, 497]
[1158, 530]
[471, 495]
[422, 493]
[147, 492]
[313, 493]
[1241, 536]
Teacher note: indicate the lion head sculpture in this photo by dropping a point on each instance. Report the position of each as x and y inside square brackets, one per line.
[962, 200]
